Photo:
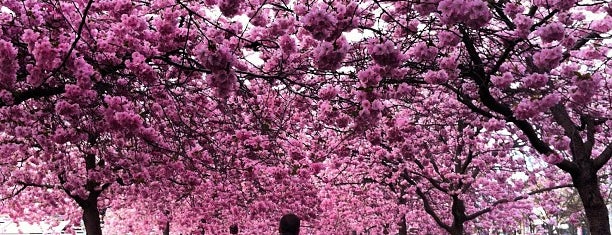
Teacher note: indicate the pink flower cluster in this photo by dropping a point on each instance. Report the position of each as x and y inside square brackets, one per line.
[494, 124]
[448, 39]
[78, 95]
[473, 13]
[329, 56]
[584, 88]
[561, 5]
[259, 18]
[347, 17]
[223, 81]
[328, 92]
[229, 8]
[385, 54]
[139, 66]
[46, 55]
[426, 7]
[287, 44]
[83, 72]
[535, 80]
[6, 97]
[553, 158]
[369, 114]
[513, 9]
[8, 65]
[449, 63]
[530, 108]
[548, 59]
[436, 77]
[320, 23]
[560, 142]
[422, 52]
[502, 81]
[370, 77]
[551, 32]
[523, 26]
[65, 108]
[220, 61]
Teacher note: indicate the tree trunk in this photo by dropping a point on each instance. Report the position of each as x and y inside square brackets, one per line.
[594, 204]
[403, 227]
[167, 229]
[459, 217]
[91, 219]
[456, 230]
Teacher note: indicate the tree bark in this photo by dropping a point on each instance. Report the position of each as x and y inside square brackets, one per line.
[403, 227]
[459, 217]
[587, 184]
[167, 229]
[456, 230]
[91, 219]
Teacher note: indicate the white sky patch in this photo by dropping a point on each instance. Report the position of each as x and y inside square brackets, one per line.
[4, 9]
[253, 57]
[357, 35]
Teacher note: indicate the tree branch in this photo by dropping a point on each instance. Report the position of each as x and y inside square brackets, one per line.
[579, 152]
[503, 201]
[34, 93]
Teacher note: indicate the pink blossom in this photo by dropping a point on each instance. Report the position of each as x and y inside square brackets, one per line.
[329, 56]
[8, 65]
[6, 97]
[427, 6]
[448, 39]
[45, 55]
[523, 26]
[526, 109]
[217, 59]
[535, 80]
[287, 43]
[319, 23]
[552, 32]
[229, 8]
[385, 54]
[422, 52]
[369, 77]
[548, 101]
[584, 88]
[223, 82]
[449, 63]
[548, 59]
[473, 13]
[562, 5]
[328, 92]
[503, 81]
[513, 9]
[67, 109]
[436, 77]
[553, 158]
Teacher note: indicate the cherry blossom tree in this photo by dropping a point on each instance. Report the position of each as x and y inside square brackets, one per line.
[541, 68]
[420, 167]
[104, 103]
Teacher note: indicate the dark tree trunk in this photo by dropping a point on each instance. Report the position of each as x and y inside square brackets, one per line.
[91, 219]
[458, 230]
[593, 202]
[459, 217]
[403, 227]
[167, 229]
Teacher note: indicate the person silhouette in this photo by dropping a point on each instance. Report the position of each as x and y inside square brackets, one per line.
[289, 225]
[233, 229]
